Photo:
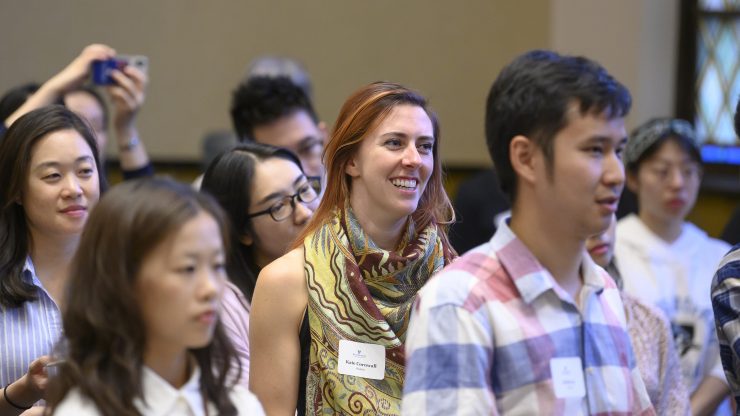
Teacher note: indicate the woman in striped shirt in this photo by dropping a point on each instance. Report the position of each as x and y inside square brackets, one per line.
[49, 171]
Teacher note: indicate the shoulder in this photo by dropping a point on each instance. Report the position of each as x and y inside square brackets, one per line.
[286, 270]
[245, 402]
[472, 279]
[281, 293]
[74, 404]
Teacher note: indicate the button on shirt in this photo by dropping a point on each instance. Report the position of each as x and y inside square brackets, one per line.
[27, 332]
[484, 332]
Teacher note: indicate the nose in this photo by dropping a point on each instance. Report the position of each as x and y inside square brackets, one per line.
[676, 178]
[71, 187]
[211, 284]
[302, 213]
[614, 171]
[411, 156]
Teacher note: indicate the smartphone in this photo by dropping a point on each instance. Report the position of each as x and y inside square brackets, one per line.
[101, 69]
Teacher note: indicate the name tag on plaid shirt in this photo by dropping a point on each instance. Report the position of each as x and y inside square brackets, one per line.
[567, 377]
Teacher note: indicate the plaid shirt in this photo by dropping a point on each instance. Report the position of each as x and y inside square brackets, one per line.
[485, 329]
[726, 305]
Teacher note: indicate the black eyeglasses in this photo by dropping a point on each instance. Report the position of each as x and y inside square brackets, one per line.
[285, 207]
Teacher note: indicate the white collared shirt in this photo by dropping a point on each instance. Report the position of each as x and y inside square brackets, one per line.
[161, 398]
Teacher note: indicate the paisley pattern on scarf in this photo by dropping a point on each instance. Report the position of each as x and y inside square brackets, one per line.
[360, 292]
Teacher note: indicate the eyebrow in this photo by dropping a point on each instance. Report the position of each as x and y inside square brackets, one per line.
[280, 194]
[404, 135]
[602, 139]
[55, 164]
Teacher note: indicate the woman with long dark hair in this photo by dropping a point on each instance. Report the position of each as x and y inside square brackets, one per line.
[268, 200]
[329, 318]
[49, 171]
[142, 327]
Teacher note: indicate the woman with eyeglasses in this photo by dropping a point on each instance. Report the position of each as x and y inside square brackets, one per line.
[667, 261]
[268, 201]
[329, 319]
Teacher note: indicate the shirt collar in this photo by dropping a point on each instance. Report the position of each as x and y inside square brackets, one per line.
[529, 276]
[161, 397]
[29, 272]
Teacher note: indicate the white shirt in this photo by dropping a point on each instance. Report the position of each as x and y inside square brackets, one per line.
[161, 398]
[676, 277]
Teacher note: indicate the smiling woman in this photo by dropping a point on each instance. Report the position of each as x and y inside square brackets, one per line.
[329, 318]
[50, 176]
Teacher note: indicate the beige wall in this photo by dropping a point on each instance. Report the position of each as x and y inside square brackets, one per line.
[450, 51]
[636, 40]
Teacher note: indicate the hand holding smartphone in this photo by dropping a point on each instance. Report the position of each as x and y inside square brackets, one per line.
[101, 70]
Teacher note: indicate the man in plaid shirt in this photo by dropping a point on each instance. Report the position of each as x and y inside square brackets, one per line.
[527, 323]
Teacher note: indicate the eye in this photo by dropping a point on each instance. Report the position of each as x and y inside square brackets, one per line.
[187, 270]
[51, 177]
[393, 143]
[85, 172]
[426, 148]
[620, 152]
[219, 266]
[595, 150]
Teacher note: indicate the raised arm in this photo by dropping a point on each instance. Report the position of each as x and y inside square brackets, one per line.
[279, 302]
[128, 95]
[71, 77]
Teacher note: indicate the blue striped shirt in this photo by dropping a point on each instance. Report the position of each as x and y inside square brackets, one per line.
[27, 332]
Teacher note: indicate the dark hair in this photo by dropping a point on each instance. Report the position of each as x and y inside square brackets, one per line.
[531, 97]
[88, 89]
[262, 100]
[103, 324]
[15, 158]
[14, 98]
[363, 111]
[230, 179]
[649, 137]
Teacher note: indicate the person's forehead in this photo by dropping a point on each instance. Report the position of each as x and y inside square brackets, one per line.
[287, 131]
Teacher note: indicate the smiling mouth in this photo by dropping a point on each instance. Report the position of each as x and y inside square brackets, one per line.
[405, 184]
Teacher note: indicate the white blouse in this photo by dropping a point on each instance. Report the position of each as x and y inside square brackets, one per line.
[161, 398]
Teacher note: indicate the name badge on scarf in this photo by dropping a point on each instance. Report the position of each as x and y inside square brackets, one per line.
[361, 360]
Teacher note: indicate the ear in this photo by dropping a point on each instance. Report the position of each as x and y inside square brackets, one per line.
[352, 168]
[523, 156]
[246, 239]
[322, 129]
[632, 183]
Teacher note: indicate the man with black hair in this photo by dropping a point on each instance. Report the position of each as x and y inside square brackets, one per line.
[527, 323]
[275, 111]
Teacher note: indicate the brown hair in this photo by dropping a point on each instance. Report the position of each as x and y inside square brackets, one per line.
[103, 325]
[360, 114]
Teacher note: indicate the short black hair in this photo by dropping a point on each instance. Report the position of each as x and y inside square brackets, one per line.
[15, 97]
[531, 97]
[261, 100]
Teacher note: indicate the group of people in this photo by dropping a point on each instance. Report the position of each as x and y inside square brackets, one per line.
[312, 272]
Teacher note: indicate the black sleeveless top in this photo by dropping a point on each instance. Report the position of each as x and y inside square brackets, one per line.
[304, 338]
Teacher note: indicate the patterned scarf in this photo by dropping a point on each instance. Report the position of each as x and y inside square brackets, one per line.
[360, 292]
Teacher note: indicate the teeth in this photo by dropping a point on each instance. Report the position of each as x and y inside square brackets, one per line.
[404, 183]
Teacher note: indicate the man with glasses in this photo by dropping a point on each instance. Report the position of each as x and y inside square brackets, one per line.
[277, 112]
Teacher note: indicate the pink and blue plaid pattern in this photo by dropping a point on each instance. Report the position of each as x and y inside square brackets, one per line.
[485, 329]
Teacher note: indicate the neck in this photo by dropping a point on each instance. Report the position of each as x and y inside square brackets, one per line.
[552, 244]
[385, 232]
[172, 366]
[668, 230]
[51, 256]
